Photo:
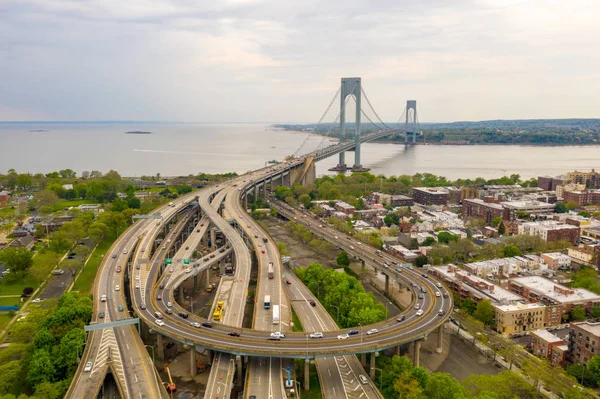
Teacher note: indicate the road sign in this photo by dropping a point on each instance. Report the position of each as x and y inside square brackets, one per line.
[186, 261]
[169, 261]
[147, 216]
[118, 323]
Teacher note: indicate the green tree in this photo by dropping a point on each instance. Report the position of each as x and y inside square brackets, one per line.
[429, 241]
[501, 228]
[496, 221]
[9, 373]
[443, 386]
[578, 313]
[45, 198]
[484, 312]
[283, 249]
[17, 259]
[469, 306]
[583, 375]
[594, 366]
[595, 312]
[41, 369]
[560, 207]
[342, 259]
[184, 189]
[305, 200]
[281, 192]
[407, 386]
[113, 220]
[391, 218]
[511, 250]
[421, 261]
[445, 237]
[505, 385]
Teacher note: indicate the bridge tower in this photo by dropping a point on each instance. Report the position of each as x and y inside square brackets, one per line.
[411, 121]
[350, 87]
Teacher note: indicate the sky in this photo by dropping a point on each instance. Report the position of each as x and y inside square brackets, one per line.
[281, 61]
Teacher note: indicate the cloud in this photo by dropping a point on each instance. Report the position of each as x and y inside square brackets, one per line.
[266, 60]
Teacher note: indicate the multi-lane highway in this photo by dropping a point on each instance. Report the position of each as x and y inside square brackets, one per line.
[129, 360]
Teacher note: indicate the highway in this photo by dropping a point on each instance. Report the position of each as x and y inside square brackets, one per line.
[132, 365]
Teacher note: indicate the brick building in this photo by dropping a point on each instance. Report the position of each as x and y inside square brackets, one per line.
[518, 318]
[584, 342]
[556, 260]
[481, 209]
[431, 195]
[551, 230]
[542, 342]
[586, 197]
[549, 183]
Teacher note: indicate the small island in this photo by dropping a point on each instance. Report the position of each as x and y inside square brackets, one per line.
[38, 131]
[137, 132]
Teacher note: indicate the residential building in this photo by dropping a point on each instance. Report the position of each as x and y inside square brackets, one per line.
[556, 260]
[551, 230]
[584, 253]
[431, 195]
[559, 355]
[26, 242]
[344, 207]
[89, 207]
[394, 200]
[584, 342]
[589, 179]
[549, 183]
[4, 197]
[561, 298]
[477, 208]
[519, 318]
[513, 208]
[542, 342]
[403, 252]
[585, 197]
[561, 188]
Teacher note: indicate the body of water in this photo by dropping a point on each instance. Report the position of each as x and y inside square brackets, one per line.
[182, 149]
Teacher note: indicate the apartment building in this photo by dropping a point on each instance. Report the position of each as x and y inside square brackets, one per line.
[551, 230]
[519, 318]
[584, 342]
[557, 260]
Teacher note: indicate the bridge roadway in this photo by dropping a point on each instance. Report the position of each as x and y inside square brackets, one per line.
[120, 348]
[390, 334]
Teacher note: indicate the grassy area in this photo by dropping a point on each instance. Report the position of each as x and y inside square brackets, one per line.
[60, 205]
[297, 324]
[86, 278]
[11, 301]
[6, 211]
[315, 386]
[4, 320]
[16, 287]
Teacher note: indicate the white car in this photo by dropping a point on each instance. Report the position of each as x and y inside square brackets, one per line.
[277, 334]
[117, 287]
[171, 270]
[343, 336]
[169, 304]
[336, 237]
[38, 300]
[316, 335]
[103, 298]
[137, 286]
[419, 312]
[189, 269]
[137, 277]
[88, 367]
[372, 331]
[437, 293]
[125, 251]
[439, 285]
[159, 322]
[195, 324]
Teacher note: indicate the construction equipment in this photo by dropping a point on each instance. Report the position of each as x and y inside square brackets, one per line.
[171, 387]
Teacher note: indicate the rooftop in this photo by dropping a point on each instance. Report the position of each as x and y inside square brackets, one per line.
[592, 328]
[519, 306]
[433, 190]
[545, 287]
[482, 202]
[527, 205]
[556, 255]
[547, 336]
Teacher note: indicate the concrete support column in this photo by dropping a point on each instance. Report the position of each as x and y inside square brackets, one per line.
[440, 339]
[387, 284]
[398, 350]
[207, 277]
[255, 192]
[195, 282]
[271, 181]
[160, 349]
[363, 359]
[209, 355]
[306, 374]
[372, 365]
[193, 364]
[246, 201]
[362, 264]
[239, 370]
[181, 295]
[213, 237]
[416, 353]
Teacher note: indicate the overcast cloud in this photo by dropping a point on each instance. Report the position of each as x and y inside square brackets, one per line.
[254, 60]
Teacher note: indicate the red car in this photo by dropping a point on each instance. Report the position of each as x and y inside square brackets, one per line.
[288, 282]
[118, 269]
[263, 251]
[158, 297]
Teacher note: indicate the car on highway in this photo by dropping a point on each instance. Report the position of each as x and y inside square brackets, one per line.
[142, 306]
[120, 308]
[168, 311]
[343, 336]
[207, 324]
[101, 315]
[363, 379]
[38, 300]
[88, 367]
[195, 324]
[353, 332]
[372, 331]
[445, 294]
[138, 266]
[441, 312]
[161, 286]
[205, 259]
[169, 304]
[114, 256]
[262, 250]
[171, 270]
[278, 334]
[234, 334]
[312, 303]
[117, 287]
[159, 322]
[420, 296]
[159, 297]
[137, 286]
[103, 298]
[189, 269]
[418, 306]
[143, 249]
[439, 285]
[183, 315]
[288, 282]
[125, 251]
[137, 277]
[401, 318]
[316, 335]
[118, 269]
[437, 293]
